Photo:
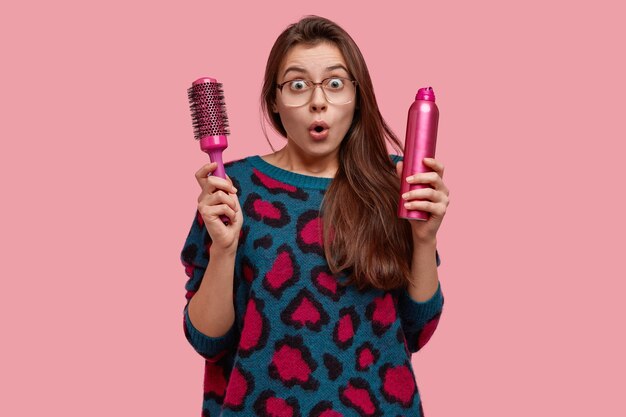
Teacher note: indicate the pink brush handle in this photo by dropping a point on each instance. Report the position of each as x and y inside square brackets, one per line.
[214, 146]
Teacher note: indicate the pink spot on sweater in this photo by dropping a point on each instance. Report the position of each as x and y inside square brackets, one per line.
[272, 183]
[366, 358]
[266, 209]
[248, 273]
[311, 232]
[214, 380]
[281, 271]
[346, 330]
[252, 328]
[427, 332]
[189, 270]
[306, 312]
[290, 364]
[327, 281]
[399, 383]
[277, 407]
[361, 398]
[385, 311]
[237, 388]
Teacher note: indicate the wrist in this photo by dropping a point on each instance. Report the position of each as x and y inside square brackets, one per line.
[217, 251]
[429, 242]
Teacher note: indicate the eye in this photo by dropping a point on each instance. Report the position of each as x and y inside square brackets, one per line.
[334, 83]
[298, 85]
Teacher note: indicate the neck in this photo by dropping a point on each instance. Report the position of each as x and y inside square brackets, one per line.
[317, 166]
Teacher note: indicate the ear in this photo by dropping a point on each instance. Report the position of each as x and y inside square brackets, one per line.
[274, 108]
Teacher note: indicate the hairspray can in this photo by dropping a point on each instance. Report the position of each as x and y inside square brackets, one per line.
[421, 138]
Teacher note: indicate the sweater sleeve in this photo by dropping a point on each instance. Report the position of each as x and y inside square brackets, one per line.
[195, 258]
[420, 319]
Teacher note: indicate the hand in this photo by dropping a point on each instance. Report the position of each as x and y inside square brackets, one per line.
[218, 197]
[434, 199]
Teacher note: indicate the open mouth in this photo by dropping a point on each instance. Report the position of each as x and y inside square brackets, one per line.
[319, 130]
[319, 133]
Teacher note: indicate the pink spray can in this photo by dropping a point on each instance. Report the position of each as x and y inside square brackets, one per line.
[420, 142]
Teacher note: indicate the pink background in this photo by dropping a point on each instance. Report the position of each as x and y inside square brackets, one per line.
[98, 164]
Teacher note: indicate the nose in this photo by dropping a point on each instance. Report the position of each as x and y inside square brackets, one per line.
[318, 100]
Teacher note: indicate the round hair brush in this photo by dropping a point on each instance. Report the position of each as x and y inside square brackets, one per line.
[210, 122]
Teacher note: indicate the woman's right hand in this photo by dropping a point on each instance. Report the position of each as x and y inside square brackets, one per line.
[218, 197]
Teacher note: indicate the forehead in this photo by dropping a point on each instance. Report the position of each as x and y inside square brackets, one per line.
[311, 60]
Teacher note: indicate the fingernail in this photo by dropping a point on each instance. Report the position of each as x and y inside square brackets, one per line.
[409, 179]
[405, 195]
[234, 190]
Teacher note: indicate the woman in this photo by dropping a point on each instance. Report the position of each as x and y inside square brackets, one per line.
[313, 297]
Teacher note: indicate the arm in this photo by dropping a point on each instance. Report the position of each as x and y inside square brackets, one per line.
[209, 315]
[211, 309]
[421, 304]
[425, 279]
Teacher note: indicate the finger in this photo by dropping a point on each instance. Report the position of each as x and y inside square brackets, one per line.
[436, 165]
[435, 178]
[432, 178]
[428, 206]
[217, 183]
[214, 212]
[423, 194]
[237, 205]
[233, 188]
[217, 198]
[203, 173]
[227, 211]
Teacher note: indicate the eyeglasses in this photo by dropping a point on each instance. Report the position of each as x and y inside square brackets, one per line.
[337, 90]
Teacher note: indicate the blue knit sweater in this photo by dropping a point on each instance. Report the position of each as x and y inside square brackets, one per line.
[301, 345]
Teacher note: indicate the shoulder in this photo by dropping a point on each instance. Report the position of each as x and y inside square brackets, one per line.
[237, 168]
[396, 158]
[237, 163]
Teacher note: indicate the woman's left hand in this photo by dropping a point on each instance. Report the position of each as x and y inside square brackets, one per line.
[434, 199]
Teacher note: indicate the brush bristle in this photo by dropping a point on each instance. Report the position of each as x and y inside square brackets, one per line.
[208, 109]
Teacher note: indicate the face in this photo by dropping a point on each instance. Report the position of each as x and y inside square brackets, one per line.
[314, 63]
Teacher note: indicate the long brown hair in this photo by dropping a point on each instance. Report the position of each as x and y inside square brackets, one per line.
[362, 234]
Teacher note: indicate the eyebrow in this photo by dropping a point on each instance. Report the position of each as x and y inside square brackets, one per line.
[303, 71]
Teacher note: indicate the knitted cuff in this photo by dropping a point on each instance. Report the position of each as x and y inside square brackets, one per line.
[416, 314]
[209, 346]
